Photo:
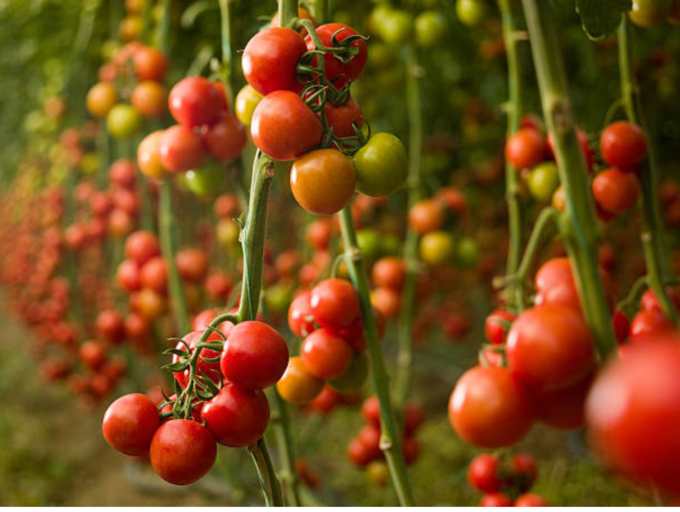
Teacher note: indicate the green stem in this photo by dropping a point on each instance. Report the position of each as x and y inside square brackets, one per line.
[163, 28]
[228, 62]
[580, 229]
[288, 11]
[546, 220]
[390, 438]
[265, 469]
[408, 295]
[653, 238]
[168, 232]
[284, 440]
[509, 14]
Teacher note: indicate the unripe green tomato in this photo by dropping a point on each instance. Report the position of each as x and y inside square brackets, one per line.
[109, 47]
[437, 248]
[467, 252]
[227, 232]
[390, 245]
[377, 473]
[277, 298]
[369, 241]
[543, 180]
[354, 377]
[650, 13]
[381, 165]
[244, 105]
[396, 27]
[377, 16]
[89, 163]
[471, 12]
[123, 121]
[430, 29]
[207, 180]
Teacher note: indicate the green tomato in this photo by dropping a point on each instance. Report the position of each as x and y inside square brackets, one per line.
[375, 19]
[390, 245]
[381, 165]
[123, 121]
[437, 248]
[543, 180]
[467, 253]
[430, 29]
[89, 163]
[369, 241]
[208, 180]
[650, 13]
[277, 298]
[395, 27]
[109, 48]
[471, 12]
[354, 377]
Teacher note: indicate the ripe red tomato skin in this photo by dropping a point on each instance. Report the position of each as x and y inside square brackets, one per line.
[525, 148]
[493, 330]
[180, 149]
[530, 500]
[333, 67]
[284, 127]
[495, 500]
[623, 144]
[300, 318]
[129, 424]
[616, 191]
[210, 369]
[334, 303]
[194, 102]
[226, 138]
[254, 356]
[648, 324]
[562, 409]
[182, 451]
[342, 117]
[370, 410]
[326, 355]
[141, 246]
[482, 474]
[236, 417]
[270, 60]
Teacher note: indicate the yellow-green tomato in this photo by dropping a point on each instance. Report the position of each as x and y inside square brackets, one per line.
[381, 165]
[123, 121]
[369, 241]
[543, 180]
[395, 27]
[377, 473]
[650, 13]
[354, 377]
[246, 101]
[277, 298]
[207, 180]
[471, 12]
[437, 248]
[430, 29]
[467, 252]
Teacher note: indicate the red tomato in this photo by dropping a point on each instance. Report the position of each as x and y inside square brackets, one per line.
[582, 141]
[326, 355]
[300, 317]
[336, 72]
[270, 60]
[369, 436]
[150, 64]
[194, 102]
[490, 408]
[237, 417]
[297, 385]
[370, 410]
[342, 117]
[646, 325]
[524, 471]
[92, 354]
[530, 500]
[225, 138]
[494, 330]
[426, 216]
[192, 264]
[334, 303]
[284, 127]
[389, 272]
[110, 326]
[154, 275]
[495, 500]
[180, 149]
[562, 409]
[621, 326]
[122, 173]
[483, 474]
[254, 356]
[212, 370]
[130, 423]
[182, 451]
[623, 144]
[552, 272]
[649, 302]
[150, 99]
[148, 155]
[525, 148]
[616, 191]
[550, 347]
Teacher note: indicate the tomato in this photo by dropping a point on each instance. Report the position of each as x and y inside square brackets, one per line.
[583, 143]
[236, 417]
[120, 223]
[621, 326]
[530, 500]
[180, 149]
[134, 6]
[101, 98]
[154, 275]
[354, 377]
[377, 473]
[494, 330]
[323, 181]
[137, 328]
[150, 64]
[357, 453]
[182, 451]
[553, 271]
[150, 99]
[559, 199]
[192, 264]
[525, 148]
[284, 127]
[426, 216]
[319, 233]
[194, 102]
[337, 72]
[247, 100]
[495, 500]
[649, 302]
[437, 248]
[369, 436]
[387, 301]
[467, 253]
[141, 246]
[300, 318]
[343, 117]
[562, 293]
[149, 304]
[122, 173]
[110, 326]
[369, 242]
[471, 12]
[334, 303]
[483, 474]
[297, 385]
[207, 180]
[389, 272]
[92, 354]
[453, 199]
[381, 165]
[130, 28]
[211, 369]
[326, 355]
[270, 60]
[148, 155]
[633, 414]
[430, 29]
[490, 408]
[130, 423]
[543, 180]
[123, 121]
[647, 325]
[616, 191]
[623, 144]
[370, 410]
[226, 138]
[395, 27]
[550, 347]
[255, 356]
[649, 13]
[128, 277]
[562, 409]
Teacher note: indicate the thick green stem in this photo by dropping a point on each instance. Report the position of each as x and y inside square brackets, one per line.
[288, 11]
[580, 230]
[284, 441]
[408, 296]
[390, 438]
[653, 238]
[509, 13]
[163, 28]
[265, 470]
[168, 233]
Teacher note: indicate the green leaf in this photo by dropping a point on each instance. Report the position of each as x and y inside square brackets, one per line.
[600, 18]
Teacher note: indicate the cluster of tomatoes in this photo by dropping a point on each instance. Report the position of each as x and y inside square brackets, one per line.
[220, 375]
[505, 483]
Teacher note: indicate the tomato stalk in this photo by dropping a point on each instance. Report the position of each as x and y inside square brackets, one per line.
[284, 439]
[288, 11]
[163, 27]
[653, 237]
[580, 227]
[408, 295]
[390, 438]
